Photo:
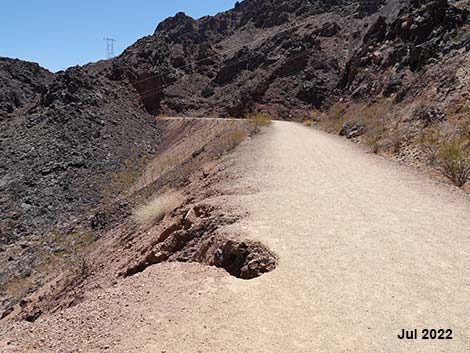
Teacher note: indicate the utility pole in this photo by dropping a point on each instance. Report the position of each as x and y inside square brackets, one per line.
[109, 47]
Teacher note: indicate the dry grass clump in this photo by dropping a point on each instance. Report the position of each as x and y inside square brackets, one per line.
[18, 287]
[121, 182]
[453, 161]
[154, 210]
[73, 254]
[459, 116]
[429, 143]
[448, 153]
[374, 116]
[337, 111]
[334, 118]
[258, 120]
[232, 139]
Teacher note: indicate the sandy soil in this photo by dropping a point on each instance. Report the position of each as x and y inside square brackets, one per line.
[366, 247]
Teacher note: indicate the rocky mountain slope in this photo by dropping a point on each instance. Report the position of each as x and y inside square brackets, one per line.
[20, 82]
[61, 147]
[65, 134]
[289, 56]
[285, 55]
[404, 44]
[74, 143]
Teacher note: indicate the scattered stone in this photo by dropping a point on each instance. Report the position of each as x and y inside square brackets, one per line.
[352, 129]
[430, 115]
[6, 313]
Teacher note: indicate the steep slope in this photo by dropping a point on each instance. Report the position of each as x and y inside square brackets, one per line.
[20, 82]
[284, 54]
[362, 256]
[289, 56]
[60, 151]
[406, 42]
[73, 143]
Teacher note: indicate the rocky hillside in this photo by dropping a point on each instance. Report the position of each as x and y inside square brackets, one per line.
[285, 55]
[63, 138]
[66, 136]
[290, 56]
[404, 43]
[392, 73]
[20, 82]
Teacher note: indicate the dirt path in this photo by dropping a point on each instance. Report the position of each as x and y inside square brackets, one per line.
[366, 249]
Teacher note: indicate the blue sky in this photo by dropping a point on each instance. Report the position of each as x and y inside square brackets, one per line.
[62, 33]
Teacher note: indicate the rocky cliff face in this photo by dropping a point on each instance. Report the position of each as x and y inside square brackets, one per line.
[62, 145]
[66, 136]
[287, 56]
[72, 143]
[20, 82]
[418, 35]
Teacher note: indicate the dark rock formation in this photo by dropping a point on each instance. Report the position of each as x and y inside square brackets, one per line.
[61, 153]
[20, 82]
[66, 137]
[352, 129]
[404, 35]
[213, 65]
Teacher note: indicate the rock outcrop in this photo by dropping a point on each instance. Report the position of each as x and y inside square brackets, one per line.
[215, 65]
[66, 136]
[287, 55]
[20, 82]
[64, 149]
[405, 37]
[72, 142]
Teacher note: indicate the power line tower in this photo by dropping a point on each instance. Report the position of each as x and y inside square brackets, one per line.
[109, 47]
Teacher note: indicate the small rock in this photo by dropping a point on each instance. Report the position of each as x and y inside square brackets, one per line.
[352, 129]
[6, 313]
[190, 218]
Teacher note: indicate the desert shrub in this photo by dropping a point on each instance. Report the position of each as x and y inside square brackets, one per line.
[459, 116]
[258, 120]
[429, 143]
[453, 160]
[315, 115]
[373, 141]
[121, 182]
[80, 263]
[395, 139]
[153, 211]
[72, 250]
[333, 119]
[124, 178]
[154, 170]
[18, 288]
[375, 115]
[232, 139]
[337, 111]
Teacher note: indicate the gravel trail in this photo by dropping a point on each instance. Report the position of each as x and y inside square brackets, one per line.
[366, 247]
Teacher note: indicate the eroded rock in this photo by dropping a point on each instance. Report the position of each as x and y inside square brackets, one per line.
[353, 129]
